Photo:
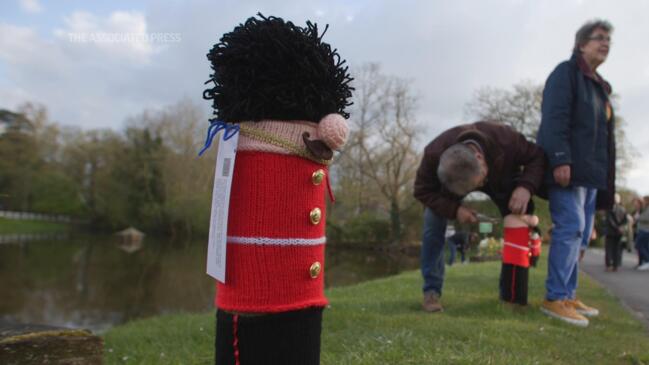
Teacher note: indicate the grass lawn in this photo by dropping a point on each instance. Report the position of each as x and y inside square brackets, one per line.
[380, 322]
[13, 226]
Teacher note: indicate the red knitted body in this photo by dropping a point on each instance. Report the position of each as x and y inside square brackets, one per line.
[516, 246]
[271, 240]
[536, 247]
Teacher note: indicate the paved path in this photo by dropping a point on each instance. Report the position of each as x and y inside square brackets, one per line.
[628, 284]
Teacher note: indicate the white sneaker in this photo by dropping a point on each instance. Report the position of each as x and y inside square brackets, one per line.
[644, 267]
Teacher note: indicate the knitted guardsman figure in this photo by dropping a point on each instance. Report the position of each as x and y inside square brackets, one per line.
[517, 250]
[287, 91]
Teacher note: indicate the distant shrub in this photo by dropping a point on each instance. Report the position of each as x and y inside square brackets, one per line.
[363, 229]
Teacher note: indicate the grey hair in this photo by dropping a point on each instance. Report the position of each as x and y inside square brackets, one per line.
[583, 34]
[458, 168]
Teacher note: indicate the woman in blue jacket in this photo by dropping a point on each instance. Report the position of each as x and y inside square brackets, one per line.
[577, 136]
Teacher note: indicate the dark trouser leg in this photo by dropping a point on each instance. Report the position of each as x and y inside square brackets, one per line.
[642, 243]
[534, 260]
[289, 338]
[621, 246]
[452, 251]
[611, 250]
[513, 283]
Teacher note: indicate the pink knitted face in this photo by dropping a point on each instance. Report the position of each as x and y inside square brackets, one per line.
[333, 130]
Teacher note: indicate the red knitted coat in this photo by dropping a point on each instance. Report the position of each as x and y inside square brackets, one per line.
[276, 238]
[516, 246]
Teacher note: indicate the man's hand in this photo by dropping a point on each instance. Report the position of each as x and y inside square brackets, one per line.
[562, 175]
[466, 215]
[518, 202]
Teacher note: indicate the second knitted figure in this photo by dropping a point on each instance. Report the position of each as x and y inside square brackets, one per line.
[516, 257]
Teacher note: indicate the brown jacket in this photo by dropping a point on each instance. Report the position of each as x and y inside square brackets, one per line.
[512, 161]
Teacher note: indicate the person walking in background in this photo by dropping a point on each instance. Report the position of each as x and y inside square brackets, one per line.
[627, 239]
[457, 243]
[577, 136]
[638, 206]
[642, 236]
[485, 156]
[615, 228]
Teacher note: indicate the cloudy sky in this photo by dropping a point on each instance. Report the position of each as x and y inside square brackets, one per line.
[448, 48]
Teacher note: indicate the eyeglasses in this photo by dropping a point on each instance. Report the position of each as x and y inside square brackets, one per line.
[600, 38]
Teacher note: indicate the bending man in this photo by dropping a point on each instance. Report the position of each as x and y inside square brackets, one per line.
[484, 156]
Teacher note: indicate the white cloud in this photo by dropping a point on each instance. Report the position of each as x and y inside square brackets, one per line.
[23, 48]
[31, 6]
[448, 49]
[15, 42]
[13, 98]
[92, 83]
[122, 34]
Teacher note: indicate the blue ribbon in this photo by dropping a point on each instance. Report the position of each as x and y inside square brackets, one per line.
[215, 127]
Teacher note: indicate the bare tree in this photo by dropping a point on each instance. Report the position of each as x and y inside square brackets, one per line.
[519, 108]
[379, 165]
[625, 152]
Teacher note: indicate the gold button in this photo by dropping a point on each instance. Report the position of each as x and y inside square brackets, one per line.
[318, 176]
[315, 216]
[314, 270]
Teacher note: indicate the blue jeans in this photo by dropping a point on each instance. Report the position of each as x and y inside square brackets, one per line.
[432, 252]
[588, 227]
[642, 245]
[452, 252]
[572, 210]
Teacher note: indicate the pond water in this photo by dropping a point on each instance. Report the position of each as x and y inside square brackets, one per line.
[97, 283]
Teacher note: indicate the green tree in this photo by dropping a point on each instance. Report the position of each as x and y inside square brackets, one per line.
[31, 176]
[139, 171]
[188, 179]
[19, 161]
[87, 158]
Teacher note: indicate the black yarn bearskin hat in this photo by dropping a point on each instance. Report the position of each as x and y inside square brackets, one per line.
[270, 69]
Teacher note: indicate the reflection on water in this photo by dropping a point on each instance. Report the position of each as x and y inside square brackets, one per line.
[95, 283]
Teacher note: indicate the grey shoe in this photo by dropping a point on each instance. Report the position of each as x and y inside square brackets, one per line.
[432, 303]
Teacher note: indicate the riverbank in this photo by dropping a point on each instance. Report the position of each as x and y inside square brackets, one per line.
[14, 226]
[380, 322]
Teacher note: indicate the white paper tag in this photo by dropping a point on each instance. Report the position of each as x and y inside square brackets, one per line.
[217, 241]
